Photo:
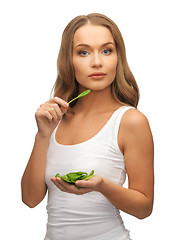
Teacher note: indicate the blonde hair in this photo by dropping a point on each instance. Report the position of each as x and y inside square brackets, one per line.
[124, 88]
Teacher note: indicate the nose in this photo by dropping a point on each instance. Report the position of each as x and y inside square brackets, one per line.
[96, 61]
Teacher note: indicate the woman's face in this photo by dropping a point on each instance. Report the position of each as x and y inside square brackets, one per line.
[94, 57]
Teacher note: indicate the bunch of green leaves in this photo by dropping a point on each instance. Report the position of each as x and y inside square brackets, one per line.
[72, 177]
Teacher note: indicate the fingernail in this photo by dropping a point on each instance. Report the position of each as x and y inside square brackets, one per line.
[66, 104]
[77, 182]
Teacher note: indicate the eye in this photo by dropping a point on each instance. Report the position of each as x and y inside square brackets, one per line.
[107, 51]
[83, 53]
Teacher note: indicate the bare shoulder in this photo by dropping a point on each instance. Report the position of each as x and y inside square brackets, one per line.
[134, 119]
[134, 128]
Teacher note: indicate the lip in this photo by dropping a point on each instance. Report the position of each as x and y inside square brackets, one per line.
[97, 75]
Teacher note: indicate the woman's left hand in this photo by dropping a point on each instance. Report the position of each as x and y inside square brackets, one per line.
[92, 184]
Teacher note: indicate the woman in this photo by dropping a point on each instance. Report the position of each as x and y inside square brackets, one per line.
[102, 131]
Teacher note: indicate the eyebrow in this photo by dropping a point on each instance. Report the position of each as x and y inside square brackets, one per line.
[86, 45]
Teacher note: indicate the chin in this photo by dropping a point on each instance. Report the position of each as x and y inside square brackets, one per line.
[96, 86]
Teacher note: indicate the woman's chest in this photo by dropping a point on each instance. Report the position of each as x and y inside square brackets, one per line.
[78, 130]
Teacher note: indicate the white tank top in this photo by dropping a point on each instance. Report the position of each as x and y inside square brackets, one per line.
[90, 216]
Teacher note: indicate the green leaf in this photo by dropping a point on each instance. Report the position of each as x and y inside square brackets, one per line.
[88, 177]
[82, 177]
[80, 95]
[72, 177]
[66, 179]
[82, 173]
[92, 172]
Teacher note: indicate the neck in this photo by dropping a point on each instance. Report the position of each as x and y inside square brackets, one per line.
[96, 101]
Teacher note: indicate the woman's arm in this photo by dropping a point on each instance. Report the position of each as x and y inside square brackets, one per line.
[33, 184]
[33, 181]
[136, 142]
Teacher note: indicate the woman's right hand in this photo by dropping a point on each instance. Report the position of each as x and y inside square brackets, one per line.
[49, 114]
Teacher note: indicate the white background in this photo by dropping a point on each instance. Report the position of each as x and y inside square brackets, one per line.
[29, 44]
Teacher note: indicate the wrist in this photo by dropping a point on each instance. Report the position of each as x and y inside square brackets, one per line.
[40, 136]
[103, 185]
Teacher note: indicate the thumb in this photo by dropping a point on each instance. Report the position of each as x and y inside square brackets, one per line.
[83, 183]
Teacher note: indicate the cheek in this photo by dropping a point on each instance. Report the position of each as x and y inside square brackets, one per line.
[113, 66]
[78, 66]
[79, 73]
[74, 62]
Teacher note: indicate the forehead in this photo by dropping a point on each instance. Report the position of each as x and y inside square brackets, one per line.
[92, 35]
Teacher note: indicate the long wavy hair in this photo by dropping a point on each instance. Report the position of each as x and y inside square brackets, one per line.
[124, 87]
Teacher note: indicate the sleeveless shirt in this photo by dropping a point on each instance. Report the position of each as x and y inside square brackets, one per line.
[89, 216]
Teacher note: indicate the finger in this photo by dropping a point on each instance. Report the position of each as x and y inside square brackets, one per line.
[59, 111]
[52, 111]
[71, 188]
[63, 109]
[47, 115]
[54, 180]
[84, 184]
[68, 187]
[59, 101]
[44, 111]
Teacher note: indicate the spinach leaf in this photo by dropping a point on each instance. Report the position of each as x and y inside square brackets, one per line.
[72, 177]
[80, 95]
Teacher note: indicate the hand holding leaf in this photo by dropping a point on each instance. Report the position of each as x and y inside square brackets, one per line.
[68, 183]
[72, 177]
